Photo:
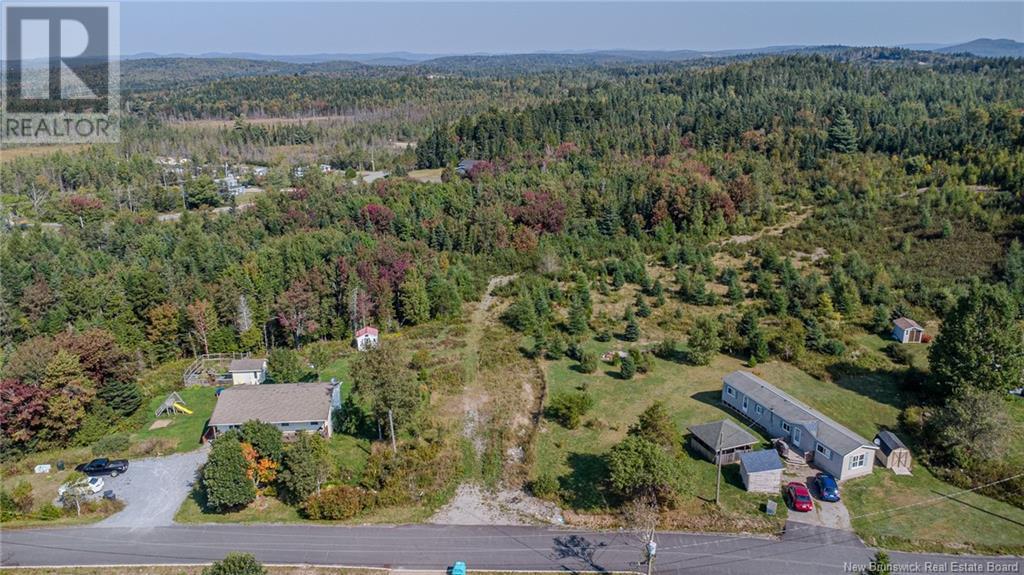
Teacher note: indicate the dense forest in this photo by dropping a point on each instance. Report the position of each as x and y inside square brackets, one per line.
[910, 177]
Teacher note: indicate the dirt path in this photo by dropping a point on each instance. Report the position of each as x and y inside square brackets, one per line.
[475, 396]
[776, 230]
[489, 408]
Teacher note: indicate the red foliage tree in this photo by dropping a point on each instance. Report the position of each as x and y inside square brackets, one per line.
[377, 217]
[22, 411]
[540, 211]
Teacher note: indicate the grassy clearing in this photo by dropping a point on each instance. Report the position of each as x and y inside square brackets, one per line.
[690, 395]
[965, 523]
[10, 154]
[431, 175]
[184, 431]
[864, 401]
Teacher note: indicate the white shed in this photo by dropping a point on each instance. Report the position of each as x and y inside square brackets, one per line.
[761, 471]
[248, 371]
[367, 338]
[906, 330]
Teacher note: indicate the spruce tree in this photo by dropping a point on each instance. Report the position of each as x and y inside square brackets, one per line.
[842, 135]
[413, 298]
[632, 331]
[225, 476]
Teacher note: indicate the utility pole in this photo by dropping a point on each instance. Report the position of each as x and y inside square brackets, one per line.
[718, 461]
[391, 424]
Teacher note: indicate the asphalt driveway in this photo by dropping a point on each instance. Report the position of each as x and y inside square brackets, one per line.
[153, 489]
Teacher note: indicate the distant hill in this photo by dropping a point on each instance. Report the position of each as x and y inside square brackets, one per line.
[988, 48]
[166, 73]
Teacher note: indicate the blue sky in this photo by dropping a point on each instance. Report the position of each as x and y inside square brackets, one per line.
[504, 27]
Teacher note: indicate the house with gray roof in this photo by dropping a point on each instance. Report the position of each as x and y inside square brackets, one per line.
[820, 440]
[291, 407]
[720, 440]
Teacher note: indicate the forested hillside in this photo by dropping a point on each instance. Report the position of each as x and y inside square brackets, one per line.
[781, 208]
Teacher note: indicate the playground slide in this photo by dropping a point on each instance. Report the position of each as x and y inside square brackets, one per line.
[182, 408]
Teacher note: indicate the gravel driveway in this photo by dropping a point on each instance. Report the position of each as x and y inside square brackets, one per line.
[153, 489]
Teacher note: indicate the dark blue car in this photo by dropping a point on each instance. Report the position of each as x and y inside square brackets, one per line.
[828, 488]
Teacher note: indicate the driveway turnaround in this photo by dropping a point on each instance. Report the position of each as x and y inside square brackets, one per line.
[481, 547]
[153, 489]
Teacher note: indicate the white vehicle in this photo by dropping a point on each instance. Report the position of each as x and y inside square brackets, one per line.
[91, 484]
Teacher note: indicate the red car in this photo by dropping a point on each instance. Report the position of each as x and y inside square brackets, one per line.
[799, 497]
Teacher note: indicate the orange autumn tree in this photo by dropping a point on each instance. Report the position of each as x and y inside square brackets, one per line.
[261, 470]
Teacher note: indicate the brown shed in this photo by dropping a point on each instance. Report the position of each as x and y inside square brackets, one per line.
[892, 453]
[721, 439]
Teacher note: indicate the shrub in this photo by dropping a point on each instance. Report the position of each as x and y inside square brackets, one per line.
[115, 443]
[603, 336]
[22, 496]
[897, 353]
[588, 362]
[335, 503]
[236, 564]
[666, 349]
[568, 408]
[8, 509]
[449, 377]
[545, 486]
[49, 512]
[834, 347]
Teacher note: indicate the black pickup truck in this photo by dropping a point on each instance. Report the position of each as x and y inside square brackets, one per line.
[104, 466]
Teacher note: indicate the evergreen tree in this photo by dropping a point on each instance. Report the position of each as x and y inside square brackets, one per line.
[881, 320]
[445, 301]
[124, 397]
[588, 362]
[632, 331]
[880, 564]
[413, 298]
[842, 135]
[627, 367]
[642, 309]
[980, 345]
[757, 344]
[735, 291]
[225, 476]
[656, 426]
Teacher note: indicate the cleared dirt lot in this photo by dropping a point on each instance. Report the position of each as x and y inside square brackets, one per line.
[153, 489]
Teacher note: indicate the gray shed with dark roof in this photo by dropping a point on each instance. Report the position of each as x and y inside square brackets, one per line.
[761, 471]
[722, 438]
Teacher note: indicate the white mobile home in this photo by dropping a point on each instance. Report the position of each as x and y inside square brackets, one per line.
[828, 445]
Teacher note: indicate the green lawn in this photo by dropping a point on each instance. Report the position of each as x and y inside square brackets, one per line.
[691, 396]
[184, 431]
[968, 522]
[863, 400]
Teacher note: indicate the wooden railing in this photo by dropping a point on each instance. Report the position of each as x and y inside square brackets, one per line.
[209, 367]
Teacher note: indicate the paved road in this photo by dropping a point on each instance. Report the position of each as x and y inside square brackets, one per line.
[153, 489]
[804, 551]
